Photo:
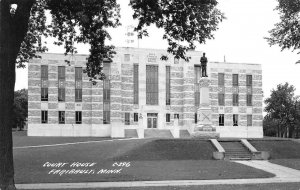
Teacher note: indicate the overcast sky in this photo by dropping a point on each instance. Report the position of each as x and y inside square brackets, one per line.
[240, 38]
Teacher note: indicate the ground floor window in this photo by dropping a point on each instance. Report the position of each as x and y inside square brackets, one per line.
[78, 117]
[106, 117]
[135, 117]
[127, 118]
[44, 115]
[235, 119]
[221, 119]
[176, 116]
[249, 120]
[168, 117]
[61, 117]
[196, 117]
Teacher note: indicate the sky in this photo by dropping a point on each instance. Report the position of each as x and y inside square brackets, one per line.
[240, 38]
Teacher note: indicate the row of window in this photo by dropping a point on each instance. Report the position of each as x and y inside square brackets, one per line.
[235, 120]
[235, 99]
[235, 79]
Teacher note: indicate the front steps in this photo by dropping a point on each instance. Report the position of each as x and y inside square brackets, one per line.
[235, 150]
[158, 133]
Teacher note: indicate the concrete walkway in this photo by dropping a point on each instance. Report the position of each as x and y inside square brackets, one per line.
[283, 174]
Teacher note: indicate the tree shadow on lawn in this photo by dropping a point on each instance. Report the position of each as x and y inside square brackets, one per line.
[151, 159]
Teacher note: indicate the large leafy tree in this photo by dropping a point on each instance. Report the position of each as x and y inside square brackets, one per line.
[286, 33]
[281, 109]
[20, 109]
[185, 23]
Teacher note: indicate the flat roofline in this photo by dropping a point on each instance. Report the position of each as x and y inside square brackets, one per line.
[233, 63]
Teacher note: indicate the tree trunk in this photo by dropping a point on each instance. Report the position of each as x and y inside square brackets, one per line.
[13, 29]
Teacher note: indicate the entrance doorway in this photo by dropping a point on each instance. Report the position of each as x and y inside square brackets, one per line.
[152, 120]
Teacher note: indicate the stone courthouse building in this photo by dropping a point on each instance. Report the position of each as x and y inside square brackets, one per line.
[141, 92]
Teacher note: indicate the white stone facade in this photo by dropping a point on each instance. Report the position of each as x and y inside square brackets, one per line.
[182, 96]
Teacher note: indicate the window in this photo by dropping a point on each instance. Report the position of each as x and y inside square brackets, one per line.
[235, 99]
[106, 117]
[44, 82]
[168, 87]
[44, 115]
[197, 73]
[235, 119]
[44, 94]
[235, 80]
[126, 57]
[221, 77]
[152, 85]
[61, 117]
[176, 61]
[61, 83]
[127, 118]
[61, 94]
[249, 120]
[135, 84]
[249, 80]
[135, 117]
[44, 72]
[78, 117]
[168, 117]
[221, 99]
[221, 119]
[176, 116]
[61, 72]
[78, 73]
[249, 99]
[78, 95]
[196, 117]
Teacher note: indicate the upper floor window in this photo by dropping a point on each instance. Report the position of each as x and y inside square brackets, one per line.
[249, 99]
[126, 57]
[44, 71]
[168, 86]
[78, 73]
[152, 85]
[235, 80]
[235, 99]
[135, 84]
[61, 72]
[249, 80]
[221, 79]
[44, 94]
[221, 99]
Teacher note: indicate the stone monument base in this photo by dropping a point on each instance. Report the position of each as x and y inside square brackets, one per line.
[205, 132]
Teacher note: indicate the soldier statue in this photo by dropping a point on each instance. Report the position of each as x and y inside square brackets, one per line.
[203, 61]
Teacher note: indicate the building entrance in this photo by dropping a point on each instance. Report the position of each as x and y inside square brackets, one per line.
[152, 120]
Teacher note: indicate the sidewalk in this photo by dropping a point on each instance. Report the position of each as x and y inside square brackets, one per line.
[283, 175]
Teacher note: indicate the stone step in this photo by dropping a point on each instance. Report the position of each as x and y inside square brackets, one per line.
[158, 133]
[184, 134]
[235, 150]
[131, 133]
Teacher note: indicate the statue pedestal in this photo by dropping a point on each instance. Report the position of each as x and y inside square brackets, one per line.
[204, 127]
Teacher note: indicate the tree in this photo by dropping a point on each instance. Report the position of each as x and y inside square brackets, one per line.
[280, 108]
[86, 21]
[20, 109]
[286, 33]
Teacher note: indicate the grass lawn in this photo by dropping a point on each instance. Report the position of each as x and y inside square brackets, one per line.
[279, 149]
[291, 163]
[150, 159]
[276, 186]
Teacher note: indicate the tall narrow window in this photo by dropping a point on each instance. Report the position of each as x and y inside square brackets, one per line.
[168, 117]
[61, 117]
[249, 99]
[127, 118]
[152, 85]
[235, 80]
[78, 117]
[135, 117]
[168, 86]
[197, 76]
[44, 82]
[135, 84]
[249, 80]
[235, 119]
[221, 119]
[78, 84]
[221, 99]
[221, 81]
[196, 117]
[235, 99]
[249, 120]
[61, 83]
[106, 93]
[44, 116]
